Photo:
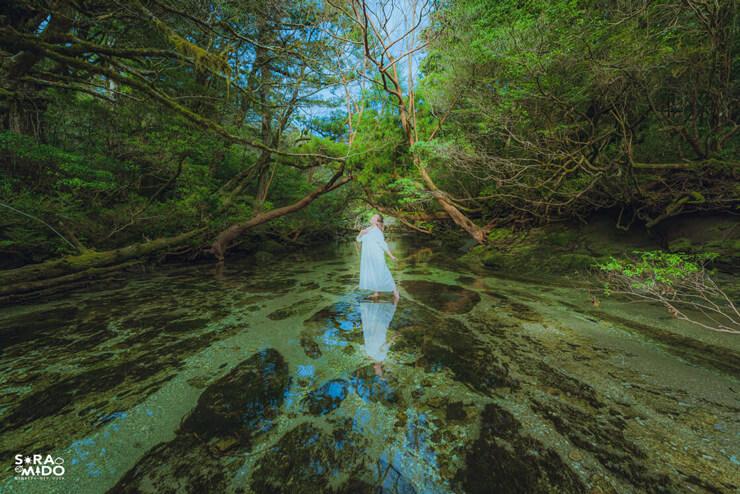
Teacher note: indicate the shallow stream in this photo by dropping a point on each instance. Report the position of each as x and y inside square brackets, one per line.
[285, 378]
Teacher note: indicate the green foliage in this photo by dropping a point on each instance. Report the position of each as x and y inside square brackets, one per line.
[68, 171]
[576, 90]
[651, 268]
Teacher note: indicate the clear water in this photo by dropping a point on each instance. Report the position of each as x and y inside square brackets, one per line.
[284, 378]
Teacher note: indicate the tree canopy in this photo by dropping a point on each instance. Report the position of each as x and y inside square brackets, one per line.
[126, 122]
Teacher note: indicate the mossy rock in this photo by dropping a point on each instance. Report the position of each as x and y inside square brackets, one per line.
[682, 244]
[562, 238]
[497, 260]
[575, 261]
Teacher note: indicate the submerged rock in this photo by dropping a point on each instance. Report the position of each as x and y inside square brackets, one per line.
[373, 388]
[504, 460]
[244, 401]
[227, 418]
[444, 342]
[455, 411]
[524, 312]
[38, 327]
[573, 388]
[183, 465]
[293, 309]
[448, 343]
[310, 347]
[305, 461]
[603, 435]
[327, 398]
[446, 298]
[280, 314]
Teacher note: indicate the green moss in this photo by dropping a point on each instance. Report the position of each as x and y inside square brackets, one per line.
[496, 260]
[499, 234]
[574, 262]
[682, 244]
[729, 246]
[562, 237]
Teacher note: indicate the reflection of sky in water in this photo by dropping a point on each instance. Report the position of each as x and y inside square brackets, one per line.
[305, 371]
[372, 388]
[85, 453]
[331, 338]
[336, 390]
[361, 420]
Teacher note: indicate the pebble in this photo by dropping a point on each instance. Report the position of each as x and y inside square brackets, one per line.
[575, 455]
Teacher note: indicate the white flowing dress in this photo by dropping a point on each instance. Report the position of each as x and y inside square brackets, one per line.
[376, 317]
[374, 272]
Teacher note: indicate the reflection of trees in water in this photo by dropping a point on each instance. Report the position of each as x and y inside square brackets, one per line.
[409, 465]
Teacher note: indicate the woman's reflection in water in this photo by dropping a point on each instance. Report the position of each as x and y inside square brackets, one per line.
[376, 317]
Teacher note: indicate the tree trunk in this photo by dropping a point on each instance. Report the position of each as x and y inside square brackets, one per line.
[478, 233]
[25, 277]
[60, 283]
[225, 238]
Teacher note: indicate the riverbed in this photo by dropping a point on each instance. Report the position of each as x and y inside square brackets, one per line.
[282, 376]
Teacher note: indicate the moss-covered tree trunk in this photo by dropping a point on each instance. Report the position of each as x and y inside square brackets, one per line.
[73, 268]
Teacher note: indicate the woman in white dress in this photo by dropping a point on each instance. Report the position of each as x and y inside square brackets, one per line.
[376, 317]
[374, 273]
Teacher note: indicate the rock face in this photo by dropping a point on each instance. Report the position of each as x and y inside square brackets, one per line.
[694, 234]
[227, 418]
[451, 299]
[504, 460]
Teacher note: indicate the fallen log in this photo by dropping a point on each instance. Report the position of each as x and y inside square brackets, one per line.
[39, 288]
[16, 279]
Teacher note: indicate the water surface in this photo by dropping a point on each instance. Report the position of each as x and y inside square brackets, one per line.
[285, 378]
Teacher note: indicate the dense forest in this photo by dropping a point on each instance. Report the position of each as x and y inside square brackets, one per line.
[160, 128]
